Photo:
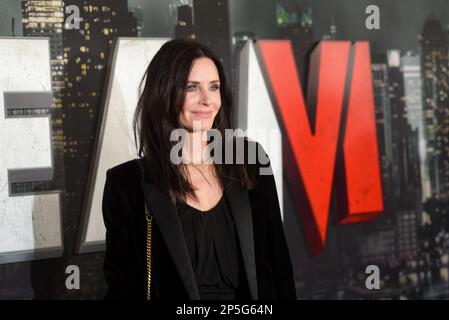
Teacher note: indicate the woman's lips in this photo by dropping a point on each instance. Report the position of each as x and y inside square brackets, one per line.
[202, 114]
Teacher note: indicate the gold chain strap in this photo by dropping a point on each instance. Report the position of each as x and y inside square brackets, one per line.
[149, 218]
[149, 236]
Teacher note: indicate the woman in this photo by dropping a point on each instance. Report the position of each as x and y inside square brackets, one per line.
[212, 230]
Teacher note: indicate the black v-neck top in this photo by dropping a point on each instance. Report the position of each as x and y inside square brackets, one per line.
[214, 251]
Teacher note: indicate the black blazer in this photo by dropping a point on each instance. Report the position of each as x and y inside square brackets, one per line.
[268, 270]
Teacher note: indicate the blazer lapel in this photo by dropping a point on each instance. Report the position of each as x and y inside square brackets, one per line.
[241, 211]
[166, 217]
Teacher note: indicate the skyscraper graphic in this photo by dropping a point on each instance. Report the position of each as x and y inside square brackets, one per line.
[184, 28]
[139, 15]
[434, 235]
[207, 24]
[380, 244]
[405, 155]
[405, 165]
[297, 26]
[211, 20]
[383, 121]
[46, 19]
[392, 241]
[435, 76]
[86, 51]
[411, 69]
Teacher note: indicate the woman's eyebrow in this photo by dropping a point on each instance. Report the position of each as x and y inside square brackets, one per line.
[197, 82]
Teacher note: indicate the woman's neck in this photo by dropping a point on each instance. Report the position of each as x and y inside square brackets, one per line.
[195, 150]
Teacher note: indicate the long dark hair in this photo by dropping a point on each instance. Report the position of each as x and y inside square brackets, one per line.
[158, 111]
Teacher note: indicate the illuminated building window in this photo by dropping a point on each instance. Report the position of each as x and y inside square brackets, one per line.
[106, 31]
[102, 55]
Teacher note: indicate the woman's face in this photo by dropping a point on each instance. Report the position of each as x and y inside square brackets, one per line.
[202, 100]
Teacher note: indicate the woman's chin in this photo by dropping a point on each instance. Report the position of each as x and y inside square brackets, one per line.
[200, 125]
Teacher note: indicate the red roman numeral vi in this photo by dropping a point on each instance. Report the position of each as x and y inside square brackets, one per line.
[339, 150]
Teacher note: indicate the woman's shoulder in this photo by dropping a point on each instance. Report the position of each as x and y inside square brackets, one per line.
[128, 171]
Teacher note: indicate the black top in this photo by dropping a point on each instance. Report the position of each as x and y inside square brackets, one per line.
[214, 251]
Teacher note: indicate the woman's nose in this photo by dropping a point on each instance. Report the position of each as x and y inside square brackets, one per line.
[205, 96]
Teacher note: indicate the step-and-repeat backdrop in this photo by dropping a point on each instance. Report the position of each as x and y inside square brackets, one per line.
[350, 100]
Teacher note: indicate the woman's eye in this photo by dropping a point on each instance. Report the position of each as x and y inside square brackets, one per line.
[215, 87]
[191, 88]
